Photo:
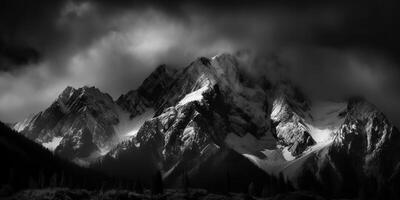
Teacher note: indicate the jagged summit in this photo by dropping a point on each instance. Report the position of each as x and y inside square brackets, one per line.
[79, 122]
[149, 92]
[70, 92]
[67, 92]
[72, 100]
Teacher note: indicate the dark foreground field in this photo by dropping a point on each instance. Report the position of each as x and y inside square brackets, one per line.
[193, 194]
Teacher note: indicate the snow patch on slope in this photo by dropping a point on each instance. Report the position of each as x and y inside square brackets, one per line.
[291, 168]
[277, 108]
[127, 127]
[323, 123]
[248, 143]
[271, 163]
[325, 120]
[194, 96]
[20, 126]
[262, 152]
[287, 154]
[53, 144]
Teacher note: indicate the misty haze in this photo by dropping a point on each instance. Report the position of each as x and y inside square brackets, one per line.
[199, 99]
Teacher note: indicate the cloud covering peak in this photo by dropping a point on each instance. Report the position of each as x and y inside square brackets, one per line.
[340, 47]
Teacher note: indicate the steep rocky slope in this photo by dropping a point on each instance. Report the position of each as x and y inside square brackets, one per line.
[149, 93]
[205, 102]
[81, 124]
[85, 123]
[362, 159]
[82, 118]
[210, 113]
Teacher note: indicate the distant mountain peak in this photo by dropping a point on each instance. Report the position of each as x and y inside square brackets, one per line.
[163, 68]
[71, 92]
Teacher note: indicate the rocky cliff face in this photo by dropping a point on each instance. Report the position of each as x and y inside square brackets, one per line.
[83, 118]
[205, 102]
[288, 116]
[149, 93]
[360, 160]
[371, 142]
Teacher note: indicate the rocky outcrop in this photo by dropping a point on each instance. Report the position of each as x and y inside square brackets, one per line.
[149, 92]
[83, 117]
[371, 143]
[361, 160]
[77, 145]
[288, 113]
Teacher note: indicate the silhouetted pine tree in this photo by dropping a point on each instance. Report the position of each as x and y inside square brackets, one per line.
[69, 182]
[368, 189]
[53, 180]
[41, 180]
[101, 189]
[270, 187]
[289, 186]
[62, 180]
[307, 181]
[32, 183]
[11, 178]
[185, 181]
[120, 184]
[23, 158]
[265, 192]
[157, 183]
[84, 183]
[281, 185]
[395, 184]
[251, 190]
[228, 182]
[139, 187]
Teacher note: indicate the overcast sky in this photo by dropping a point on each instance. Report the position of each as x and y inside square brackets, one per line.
[332, 49]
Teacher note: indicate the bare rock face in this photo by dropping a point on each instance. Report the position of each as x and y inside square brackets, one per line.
[83, 118]
[149, 93]
[287, 114]
[361, 160]
[205, 102]
[133, 103]
[183, 129]
[78, 145]
[371, 142]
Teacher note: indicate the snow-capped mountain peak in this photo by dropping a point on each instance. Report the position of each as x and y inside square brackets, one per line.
[211, 112]
[81, 124]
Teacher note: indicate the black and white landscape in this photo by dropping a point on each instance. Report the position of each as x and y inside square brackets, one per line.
[199, 100]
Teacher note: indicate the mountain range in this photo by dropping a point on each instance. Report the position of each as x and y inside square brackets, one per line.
[222, 128]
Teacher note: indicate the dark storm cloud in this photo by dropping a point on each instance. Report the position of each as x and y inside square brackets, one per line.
[322, 46]
[13, 55]
[22, 24]
[368, 24]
